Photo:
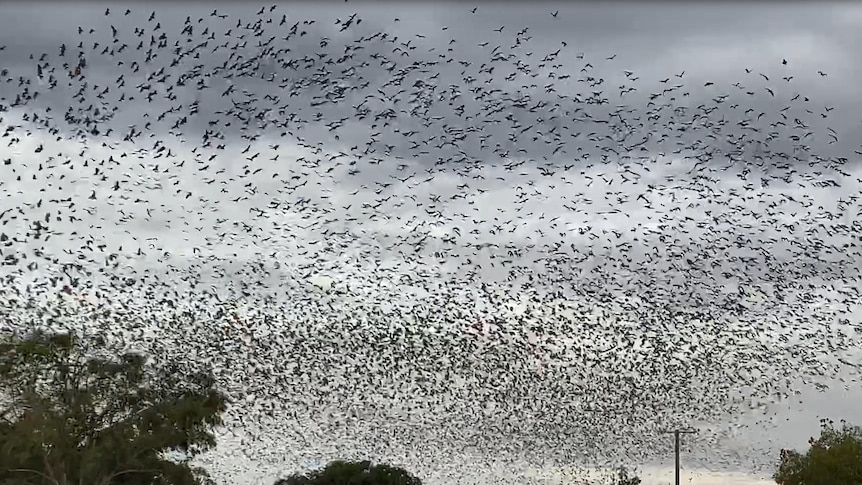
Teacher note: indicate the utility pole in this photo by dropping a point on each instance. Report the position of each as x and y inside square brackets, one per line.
[676, 433]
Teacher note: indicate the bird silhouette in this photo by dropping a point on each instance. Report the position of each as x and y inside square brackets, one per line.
[432, 245]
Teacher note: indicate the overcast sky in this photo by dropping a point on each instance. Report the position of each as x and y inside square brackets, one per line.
[336, 253]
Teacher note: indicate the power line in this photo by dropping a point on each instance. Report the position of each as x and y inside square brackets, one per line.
[676, 433]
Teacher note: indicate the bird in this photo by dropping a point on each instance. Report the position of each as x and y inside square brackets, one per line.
[447, 237]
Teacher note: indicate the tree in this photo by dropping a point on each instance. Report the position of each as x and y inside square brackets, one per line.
[76, 415]
[624, 476]
[353, 473]
[835, 458]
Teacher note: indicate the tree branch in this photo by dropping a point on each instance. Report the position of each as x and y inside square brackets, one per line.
[49, 468]
[107, 480]
[27, 470]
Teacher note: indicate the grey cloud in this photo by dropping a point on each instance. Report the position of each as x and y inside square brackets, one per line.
[656, 24]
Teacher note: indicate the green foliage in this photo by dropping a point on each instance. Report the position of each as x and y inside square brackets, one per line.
[69, 416]
[353, 473]
[835, 458]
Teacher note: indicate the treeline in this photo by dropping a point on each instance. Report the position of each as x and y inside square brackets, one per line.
[75, 414]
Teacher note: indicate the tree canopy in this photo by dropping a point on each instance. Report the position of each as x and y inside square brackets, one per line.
[835, 458]
[353, 473]
[72, 414]
[624, 476]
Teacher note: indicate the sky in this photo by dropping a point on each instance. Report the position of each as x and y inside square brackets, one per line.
[340, 261]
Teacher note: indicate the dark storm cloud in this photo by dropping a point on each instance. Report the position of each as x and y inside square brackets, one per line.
[652, 41]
